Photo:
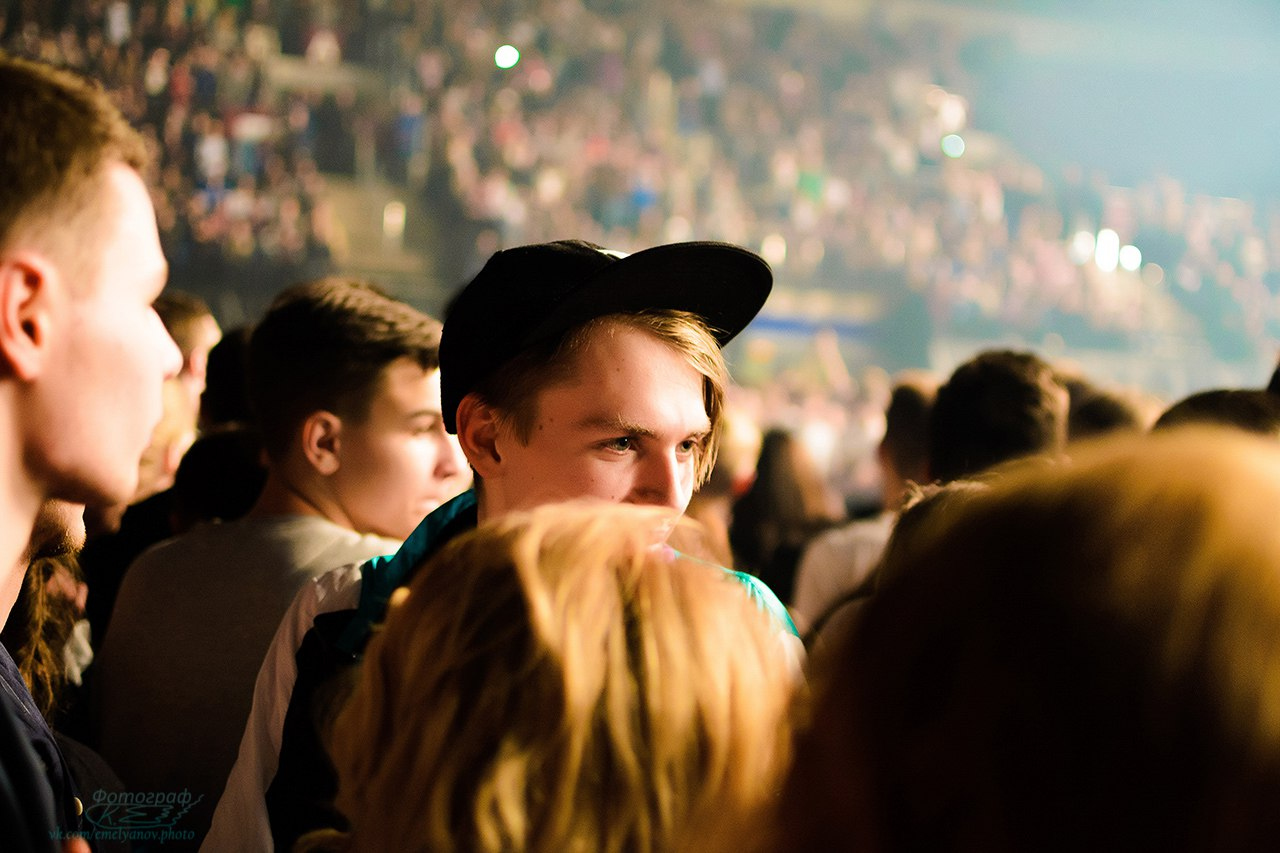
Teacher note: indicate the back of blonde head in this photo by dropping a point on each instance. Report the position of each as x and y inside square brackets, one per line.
[555, 682]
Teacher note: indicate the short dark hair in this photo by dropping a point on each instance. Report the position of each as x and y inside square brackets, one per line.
[1099, 411]
[1249, 409]
[225, 399]
[323, 345]
[906, 426]
[999, 405]
[58, 132]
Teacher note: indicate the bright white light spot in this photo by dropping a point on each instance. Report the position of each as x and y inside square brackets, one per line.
[1082, 244]
[506, 57]
[774, 249]
[953, 145]
[1107, 253]
[1130, 258]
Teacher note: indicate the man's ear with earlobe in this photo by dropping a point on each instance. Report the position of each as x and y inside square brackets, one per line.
[322, 442]
[478, 435]
[27, 285]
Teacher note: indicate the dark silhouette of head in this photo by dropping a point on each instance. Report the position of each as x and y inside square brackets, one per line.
[998, 406]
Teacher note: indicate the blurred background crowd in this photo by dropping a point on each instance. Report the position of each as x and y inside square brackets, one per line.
[861, 150]
[846, 148]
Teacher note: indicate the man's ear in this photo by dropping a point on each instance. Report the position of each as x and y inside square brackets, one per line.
[478, 435]
[27, 282]
[322, 441]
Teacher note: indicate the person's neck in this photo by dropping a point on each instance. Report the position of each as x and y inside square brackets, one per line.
[280, 497]
[484, 510]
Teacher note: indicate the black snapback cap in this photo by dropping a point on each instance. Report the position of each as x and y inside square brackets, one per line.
[530, 294]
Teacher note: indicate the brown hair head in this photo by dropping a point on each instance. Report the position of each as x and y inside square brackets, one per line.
[58, 133]
[324, 345]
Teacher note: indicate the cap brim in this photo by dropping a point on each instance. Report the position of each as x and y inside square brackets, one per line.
[724, 284]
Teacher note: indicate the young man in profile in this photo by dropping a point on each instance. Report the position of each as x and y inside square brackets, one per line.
[567, 371]
[83, 356]
[346, 387]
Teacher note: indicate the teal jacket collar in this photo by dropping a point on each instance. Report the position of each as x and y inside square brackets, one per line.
[381, 576]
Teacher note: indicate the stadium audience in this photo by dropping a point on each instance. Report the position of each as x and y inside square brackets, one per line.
[765, 128]
[759, 126]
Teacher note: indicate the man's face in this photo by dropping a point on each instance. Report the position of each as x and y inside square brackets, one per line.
[109, 353]
[398, 464]
[628, 427]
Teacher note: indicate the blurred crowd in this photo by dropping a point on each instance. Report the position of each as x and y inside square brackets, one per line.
[818, 141]
[822, 143]
[238, 193]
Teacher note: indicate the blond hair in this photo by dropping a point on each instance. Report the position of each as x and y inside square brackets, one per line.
[554, 681]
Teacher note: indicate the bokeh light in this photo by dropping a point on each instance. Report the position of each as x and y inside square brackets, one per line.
[1130, 258]
[953, 145]
[1107, 253]
[506, 57]
[774, 249]
[1082, 245]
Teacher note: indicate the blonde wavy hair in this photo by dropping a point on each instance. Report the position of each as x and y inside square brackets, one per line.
[554, 681]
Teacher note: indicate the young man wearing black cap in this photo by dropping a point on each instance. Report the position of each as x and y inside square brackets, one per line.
[567, 371]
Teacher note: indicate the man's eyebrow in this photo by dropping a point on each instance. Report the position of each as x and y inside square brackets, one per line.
[614, 424]
[621, 426]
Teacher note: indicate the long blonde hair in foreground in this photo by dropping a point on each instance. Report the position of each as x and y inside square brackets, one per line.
[555, 682]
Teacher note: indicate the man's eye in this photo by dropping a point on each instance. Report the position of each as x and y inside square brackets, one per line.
[689, 445]
[620, 444]
[426, 427]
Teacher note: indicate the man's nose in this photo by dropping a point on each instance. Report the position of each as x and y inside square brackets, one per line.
[661, 482]
[449, 460]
